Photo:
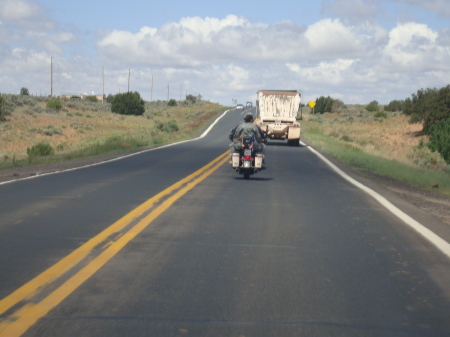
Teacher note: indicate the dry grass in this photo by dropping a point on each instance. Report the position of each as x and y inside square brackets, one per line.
[77, 127]
[389, 146]
[392, 138]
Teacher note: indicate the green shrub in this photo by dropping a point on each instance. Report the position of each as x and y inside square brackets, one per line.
[129, 103]
[440, 139]
[395, 105]
[169, 127]
[323, 104]
[429, 106]
[55, 104]
[3, 111]
[39, 150]
[372, 106]
[172, 126]
[191, 98]
[24, 91]
[380, 114]
[172, 102]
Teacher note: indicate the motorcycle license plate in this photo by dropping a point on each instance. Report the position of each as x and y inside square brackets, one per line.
[247, 152]
[247, 164]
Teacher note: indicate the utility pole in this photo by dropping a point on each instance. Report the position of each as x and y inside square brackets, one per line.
[181, 90]
[151, 91]
[51, 76]
[103, 85]
[168, 85]
[128, 80]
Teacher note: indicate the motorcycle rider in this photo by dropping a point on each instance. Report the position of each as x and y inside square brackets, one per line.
[247, 129]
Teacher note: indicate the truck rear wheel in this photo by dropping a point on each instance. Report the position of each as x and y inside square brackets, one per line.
[293, 142]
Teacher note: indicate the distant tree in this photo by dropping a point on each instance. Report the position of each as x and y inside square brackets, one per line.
[24, 91]
[372, 106]
[172, 102]
[191, 98]
[323, 104]
[337, 103]
[3, 111]
[109, 99]
[430, 106]
[395, 105]
[129, 103]
[329, 105]
[91, 98]
[438, 109]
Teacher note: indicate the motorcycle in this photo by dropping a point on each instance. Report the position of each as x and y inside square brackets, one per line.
[246, 161]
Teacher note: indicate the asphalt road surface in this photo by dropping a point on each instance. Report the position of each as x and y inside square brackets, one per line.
[173, 242]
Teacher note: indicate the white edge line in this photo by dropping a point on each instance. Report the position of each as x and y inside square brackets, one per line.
[122, 157]
[436, 240]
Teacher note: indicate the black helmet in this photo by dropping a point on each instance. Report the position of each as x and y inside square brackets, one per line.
[248, 117]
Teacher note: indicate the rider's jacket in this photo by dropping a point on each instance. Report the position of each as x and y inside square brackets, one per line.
[247, 129]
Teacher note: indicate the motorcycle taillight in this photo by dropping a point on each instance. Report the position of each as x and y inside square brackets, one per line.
[247, 157]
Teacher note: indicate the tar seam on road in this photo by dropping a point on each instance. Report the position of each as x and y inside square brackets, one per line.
[27, 309]
[436, 240]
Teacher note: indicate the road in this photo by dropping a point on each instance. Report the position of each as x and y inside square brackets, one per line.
[172, 242]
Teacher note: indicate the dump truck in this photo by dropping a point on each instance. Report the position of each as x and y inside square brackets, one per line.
[276, 114]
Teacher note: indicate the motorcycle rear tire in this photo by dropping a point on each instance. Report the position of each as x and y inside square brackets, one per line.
[246, 174]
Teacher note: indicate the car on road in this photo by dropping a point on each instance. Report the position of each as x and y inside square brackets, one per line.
[239, 107]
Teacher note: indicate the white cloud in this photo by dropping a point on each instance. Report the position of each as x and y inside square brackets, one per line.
[16, 10]
[355, 60]
[413, 47]
[355, 10]
[440, 7]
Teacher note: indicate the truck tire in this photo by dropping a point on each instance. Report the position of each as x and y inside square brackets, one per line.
[293, 142]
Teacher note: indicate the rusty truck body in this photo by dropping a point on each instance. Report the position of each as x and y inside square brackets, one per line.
[276, 112]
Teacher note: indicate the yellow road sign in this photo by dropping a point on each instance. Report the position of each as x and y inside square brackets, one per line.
[312, 104]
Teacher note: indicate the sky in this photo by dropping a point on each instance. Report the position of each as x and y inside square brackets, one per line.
[353, 50]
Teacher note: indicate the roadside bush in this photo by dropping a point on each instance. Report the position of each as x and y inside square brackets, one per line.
[172, 102]
[380, 114]
[337, 103]
[440, 139]
[169, 127]
[191, 98]
[3, 111]
[395, 105]
[39, 150]
[109, 98]
[429, 106]
[129, 103]
[55, 104]
[372, 106]
[346, 138]
[24, 91]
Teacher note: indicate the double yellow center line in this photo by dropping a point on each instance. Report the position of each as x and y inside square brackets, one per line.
[25, 305]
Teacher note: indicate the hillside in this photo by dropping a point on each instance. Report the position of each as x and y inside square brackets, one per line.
[83, 129]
